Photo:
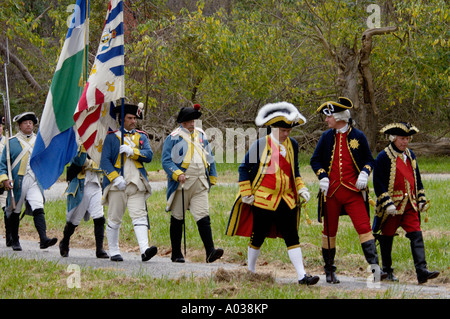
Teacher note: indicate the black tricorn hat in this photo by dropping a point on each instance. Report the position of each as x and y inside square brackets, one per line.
[26, 116]
[131, 109]
[400, 129]
[330, 107]
[189, 113]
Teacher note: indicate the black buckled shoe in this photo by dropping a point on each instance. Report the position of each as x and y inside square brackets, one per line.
[47, 243]
[101, 253]
[424, 275]
[309, 280]
[117, 257]
[215, 254]
[178, 259]
[149, 253]
[16, 245]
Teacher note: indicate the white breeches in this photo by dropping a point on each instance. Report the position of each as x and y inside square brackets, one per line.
[90, 205]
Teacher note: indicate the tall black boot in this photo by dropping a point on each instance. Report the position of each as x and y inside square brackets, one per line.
[7, 230]
[418, 253]
[99, 232]
[64, 243]
[386, 256]
[330, 268]
[14, 221]
[39, 223]
[204, 228]
[371, 255]
[176, 234]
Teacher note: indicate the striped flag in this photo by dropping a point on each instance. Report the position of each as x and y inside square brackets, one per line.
[93, 115]
[56, 139]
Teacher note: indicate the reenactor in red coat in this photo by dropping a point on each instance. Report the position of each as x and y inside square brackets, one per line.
[343, 162]
[271, 189]
[400, 199]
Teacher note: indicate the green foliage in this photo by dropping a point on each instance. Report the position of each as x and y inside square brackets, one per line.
[234, 56]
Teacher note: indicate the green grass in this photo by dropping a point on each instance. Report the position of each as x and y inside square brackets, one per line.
[43, 279]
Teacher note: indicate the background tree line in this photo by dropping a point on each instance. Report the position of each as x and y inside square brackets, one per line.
[233, 56]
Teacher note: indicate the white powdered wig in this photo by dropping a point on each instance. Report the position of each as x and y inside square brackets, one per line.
[284, 109]
[342, 116]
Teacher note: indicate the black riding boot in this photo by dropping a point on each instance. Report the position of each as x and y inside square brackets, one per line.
[7, 230]
[14, 221]
[176, 234]
[39, 223]
[386, 256]
[418, 253]
[99, 232]
[64, 243]
[330, 268]
[371, 255]
[204, 228]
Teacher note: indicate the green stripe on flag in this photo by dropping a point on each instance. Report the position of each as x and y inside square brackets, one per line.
[66, 91]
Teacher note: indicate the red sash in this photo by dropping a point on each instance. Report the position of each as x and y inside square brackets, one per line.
[404, 172]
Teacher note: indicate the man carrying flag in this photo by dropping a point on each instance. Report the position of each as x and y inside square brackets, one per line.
[56, 140]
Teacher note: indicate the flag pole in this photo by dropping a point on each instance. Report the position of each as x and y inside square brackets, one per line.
[122, 115]
[122, 130]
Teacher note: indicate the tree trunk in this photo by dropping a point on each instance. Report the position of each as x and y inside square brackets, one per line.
[368, 114]
[354, 73]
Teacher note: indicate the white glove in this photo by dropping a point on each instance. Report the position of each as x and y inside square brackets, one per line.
[421, 206]
[324, 183]
[248, 199]
[126, 149]
[361, 183]
[304, 192]
[120, 183]
[391, 210]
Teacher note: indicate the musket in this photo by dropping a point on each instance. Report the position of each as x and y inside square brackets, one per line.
[8, 131]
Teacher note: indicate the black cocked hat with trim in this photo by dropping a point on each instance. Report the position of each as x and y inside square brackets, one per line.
[330, 107]
[26, 116]
[400, 129]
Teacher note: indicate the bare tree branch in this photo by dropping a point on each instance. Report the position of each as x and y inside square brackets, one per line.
[22, 68]
[366, 49]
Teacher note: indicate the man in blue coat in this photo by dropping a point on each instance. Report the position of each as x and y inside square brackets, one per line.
[84, 197]
[27, 190]
[400, 199]
[126, 185]
[189, 164]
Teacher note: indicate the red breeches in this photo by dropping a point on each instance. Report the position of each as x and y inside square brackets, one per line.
[354, 205]
[409, 221]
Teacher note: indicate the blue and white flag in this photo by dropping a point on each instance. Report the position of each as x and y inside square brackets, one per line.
[105, 85]
[56, 141]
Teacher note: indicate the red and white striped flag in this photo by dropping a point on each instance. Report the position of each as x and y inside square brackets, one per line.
[94, 114]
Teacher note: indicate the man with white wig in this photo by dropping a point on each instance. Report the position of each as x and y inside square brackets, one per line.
[271, 189]
[400, 199]
[343, 162]
[26, 188]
